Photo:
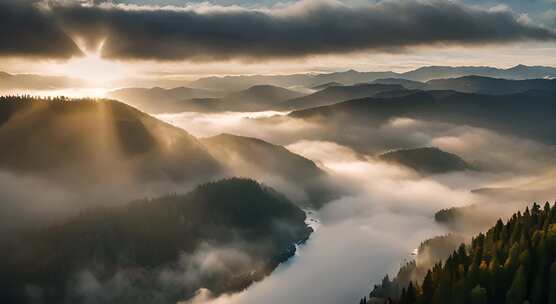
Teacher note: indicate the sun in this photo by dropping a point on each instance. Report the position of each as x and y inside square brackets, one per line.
[94, 69]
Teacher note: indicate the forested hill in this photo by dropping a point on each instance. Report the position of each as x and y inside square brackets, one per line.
[89, 141]
[511, 263]
[222, 236]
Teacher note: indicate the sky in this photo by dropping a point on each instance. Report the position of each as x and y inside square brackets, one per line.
[146, 42]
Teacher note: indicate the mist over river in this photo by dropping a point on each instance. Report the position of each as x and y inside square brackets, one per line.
[358, 237]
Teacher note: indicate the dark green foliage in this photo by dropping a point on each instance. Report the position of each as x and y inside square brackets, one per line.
[429, 253]
[513, 262]
[151, 235]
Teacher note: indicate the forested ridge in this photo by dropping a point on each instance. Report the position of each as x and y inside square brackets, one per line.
[141, 241]
[513, 263]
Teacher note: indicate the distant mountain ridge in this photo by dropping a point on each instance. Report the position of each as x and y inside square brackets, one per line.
[37, 82]
[350, 77]
[530, 114]
[158, 100]
[475, 84]
[488, 85]
[423, 74]
[335, 94]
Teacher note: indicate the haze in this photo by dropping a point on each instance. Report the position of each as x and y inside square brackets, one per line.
[245, 151]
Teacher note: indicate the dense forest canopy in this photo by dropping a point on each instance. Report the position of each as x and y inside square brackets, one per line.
[246, 229]
[513, 262]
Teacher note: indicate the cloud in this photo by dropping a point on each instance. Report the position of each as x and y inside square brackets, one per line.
[28, 31]
[207, 32]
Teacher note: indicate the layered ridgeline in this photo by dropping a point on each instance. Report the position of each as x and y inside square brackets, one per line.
[61, 156]
[513, 262]
[352, 77]
[334, 94]
[221, 236]
[476, 84]
[269, 97]
[494, 86]
[509, 114]
[161, 100]
[157, 100]
[13, 82]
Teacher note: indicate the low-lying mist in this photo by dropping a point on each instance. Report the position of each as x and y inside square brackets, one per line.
[384, 212]
[389, 209]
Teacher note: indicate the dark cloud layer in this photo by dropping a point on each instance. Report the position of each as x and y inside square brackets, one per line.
[305, 28]
[27, 31]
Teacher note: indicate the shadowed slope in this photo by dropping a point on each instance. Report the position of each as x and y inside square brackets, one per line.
[531, 114]
[335, 94]
[252, 157]
[222, 236]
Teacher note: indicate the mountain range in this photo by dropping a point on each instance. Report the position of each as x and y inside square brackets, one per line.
[10, 82]
[335, 94]
[160, 100]
[157, 100]
[268, 97]
[531, 114]
[351, 77]
[104, 152]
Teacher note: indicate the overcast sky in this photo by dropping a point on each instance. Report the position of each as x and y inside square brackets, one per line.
[173, 39]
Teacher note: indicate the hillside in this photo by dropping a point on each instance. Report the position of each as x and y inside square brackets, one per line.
[261, 160]
[83, 138]
[467, 218]
[427, 160]
[149, 247]
[531, 114]
[98, 150]
[513, 262]
[335, 94]
[429, 253]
